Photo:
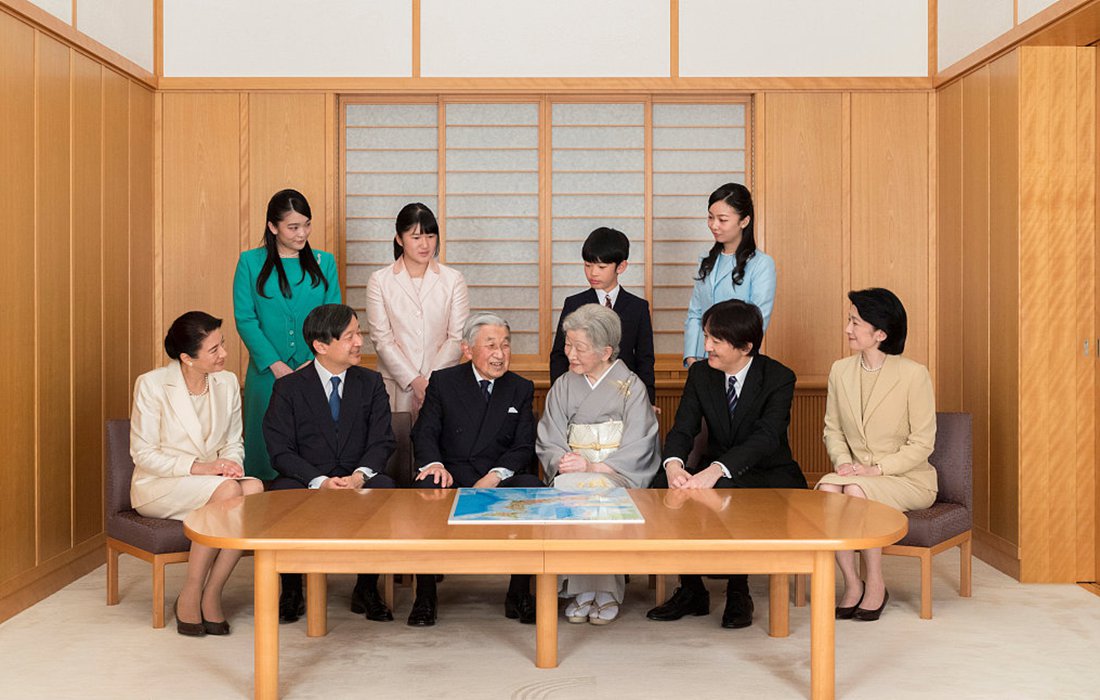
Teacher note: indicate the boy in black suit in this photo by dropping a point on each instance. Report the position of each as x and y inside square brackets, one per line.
[328, 427]
[605, 252]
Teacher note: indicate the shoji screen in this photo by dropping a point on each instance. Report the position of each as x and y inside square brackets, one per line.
[491, 210]
[696, 148]
[598, 165]
[518, 182]
[391, 158]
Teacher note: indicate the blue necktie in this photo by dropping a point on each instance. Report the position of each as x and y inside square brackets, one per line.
[484, 389]
[731, 394]
[334, 399]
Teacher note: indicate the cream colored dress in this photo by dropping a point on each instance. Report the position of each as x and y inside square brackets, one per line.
[886, 418]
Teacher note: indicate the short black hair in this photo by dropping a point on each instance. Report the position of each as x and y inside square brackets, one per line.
[326, 323]
[885, 312]
[606, 245]
[187, 333]
[411, 216]
[737, 322]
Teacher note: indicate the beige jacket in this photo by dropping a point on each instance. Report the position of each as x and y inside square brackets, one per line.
[165, 435]
[415, 332]
[898, 431]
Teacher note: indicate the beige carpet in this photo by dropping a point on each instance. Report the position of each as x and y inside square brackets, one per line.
[1008, 641]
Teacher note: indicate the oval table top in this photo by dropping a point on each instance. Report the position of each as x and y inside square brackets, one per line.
[416, 520]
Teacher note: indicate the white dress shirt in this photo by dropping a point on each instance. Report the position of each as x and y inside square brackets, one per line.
[602, 296]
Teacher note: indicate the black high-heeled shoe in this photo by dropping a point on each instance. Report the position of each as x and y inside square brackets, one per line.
[190, 629]
[215, 628]
[864, 615]
[845, 613]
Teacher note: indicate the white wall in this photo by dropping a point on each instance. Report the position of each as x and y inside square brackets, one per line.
[838, 38]
[62, 9]
[1030, 8]
[123, 25]
[966, 25]
[305, 38]
[535, 38]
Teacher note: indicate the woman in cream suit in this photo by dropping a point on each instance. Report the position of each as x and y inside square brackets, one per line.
[185, 439]
[416, 309]
[880, 428]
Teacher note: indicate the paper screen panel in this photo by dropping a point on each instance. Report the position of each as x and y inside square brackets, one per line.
[492, 210]
[391, 158]
[696, 148]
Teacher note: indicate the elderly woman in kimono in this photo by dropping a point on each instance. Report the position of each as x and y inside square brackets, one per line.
[597, 431]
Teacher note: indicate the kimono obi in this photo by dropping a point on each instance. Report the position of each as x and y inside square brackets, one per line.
[595, 441]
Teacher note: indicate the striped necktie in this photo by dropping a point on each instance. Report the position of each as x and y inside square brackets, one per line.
[607, 301]
[731, 394]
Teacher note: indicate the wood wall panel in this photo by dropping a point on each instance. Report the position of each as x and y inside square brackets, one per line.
[1084, 247]
[974, 309]
[88, 306]
[53, 301]
[803, 215]
[1004, 296]
[116, 245]
[201, 208]
[145, 345]
[889, 201]
[949, 258]
[17, 430]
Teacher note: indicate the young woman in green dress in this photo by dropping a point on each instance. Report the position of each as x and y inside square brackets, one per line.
[274, 289]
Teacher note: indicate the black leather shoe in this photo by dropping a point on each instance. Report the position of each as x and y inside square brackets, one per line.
[845, 613]
[521, 606]
[423, 611]
[738, 612]
[189, 629]
[865, 615]
[365, 600]
[291, 605]
[683, 602]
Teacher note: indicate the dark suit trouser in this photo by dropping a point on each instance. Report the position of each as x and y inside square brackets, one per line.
[735, 582]
[520, 583]
[291, 582]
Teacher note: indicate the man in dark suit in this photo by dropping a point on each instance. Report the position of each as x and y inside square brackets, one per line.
[328, 427]
[605, 254]
[745, 399]
[476, 429]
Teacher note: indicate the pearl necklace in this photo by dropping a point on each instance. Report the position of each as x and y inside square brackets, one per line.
[868, 369]
[205, 388]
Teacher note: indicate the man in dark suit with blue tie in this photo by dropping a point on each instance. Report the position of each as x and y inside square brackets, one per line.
[745, 400]
[476, 429]
[328, 427]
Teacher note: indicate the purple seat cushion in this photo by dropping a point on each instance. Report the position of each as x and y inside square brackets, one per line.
[156, 535]
[933, 525]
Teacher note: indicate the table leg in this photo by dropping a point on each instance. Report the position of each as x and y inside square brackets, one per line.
[316, 605]
[546, 621]
[778, 593]
[822, 628]
[266, 594]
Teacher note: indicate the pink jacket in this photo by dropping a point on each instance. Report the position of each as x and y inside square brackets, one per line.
[415, 332]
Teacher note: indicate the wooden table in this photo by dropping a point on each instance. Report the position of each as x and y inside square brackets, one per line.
[752, 531]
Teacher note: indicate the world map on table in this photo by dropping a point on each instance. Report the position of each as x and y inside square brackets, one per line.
[540, 506]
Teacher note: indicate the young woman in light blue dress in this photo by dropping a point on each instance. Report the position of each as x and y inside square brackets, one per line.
[733, 268]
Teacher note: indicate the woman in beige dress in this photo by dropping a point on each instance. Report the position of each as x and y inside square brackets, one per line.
[597, 431]
[416, 309]
[185, 439]
[880, 428]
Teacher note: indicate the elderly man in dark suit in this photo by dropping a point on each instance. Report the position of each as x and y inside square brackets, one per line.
[476, 429]
[745, 399]
[328, 427]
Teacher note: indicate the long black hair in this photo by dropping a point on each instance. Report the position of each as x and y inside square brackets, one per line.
[282, 203]
[740, 199]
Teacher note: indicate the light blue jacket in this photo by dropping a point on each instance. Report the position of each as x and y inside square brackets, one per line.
[758, 287]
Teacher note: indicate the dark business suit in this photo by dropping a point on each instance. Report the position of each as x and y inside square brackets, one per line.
[636, 346]
[751, 443]
[304, 442]
[469, 437]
